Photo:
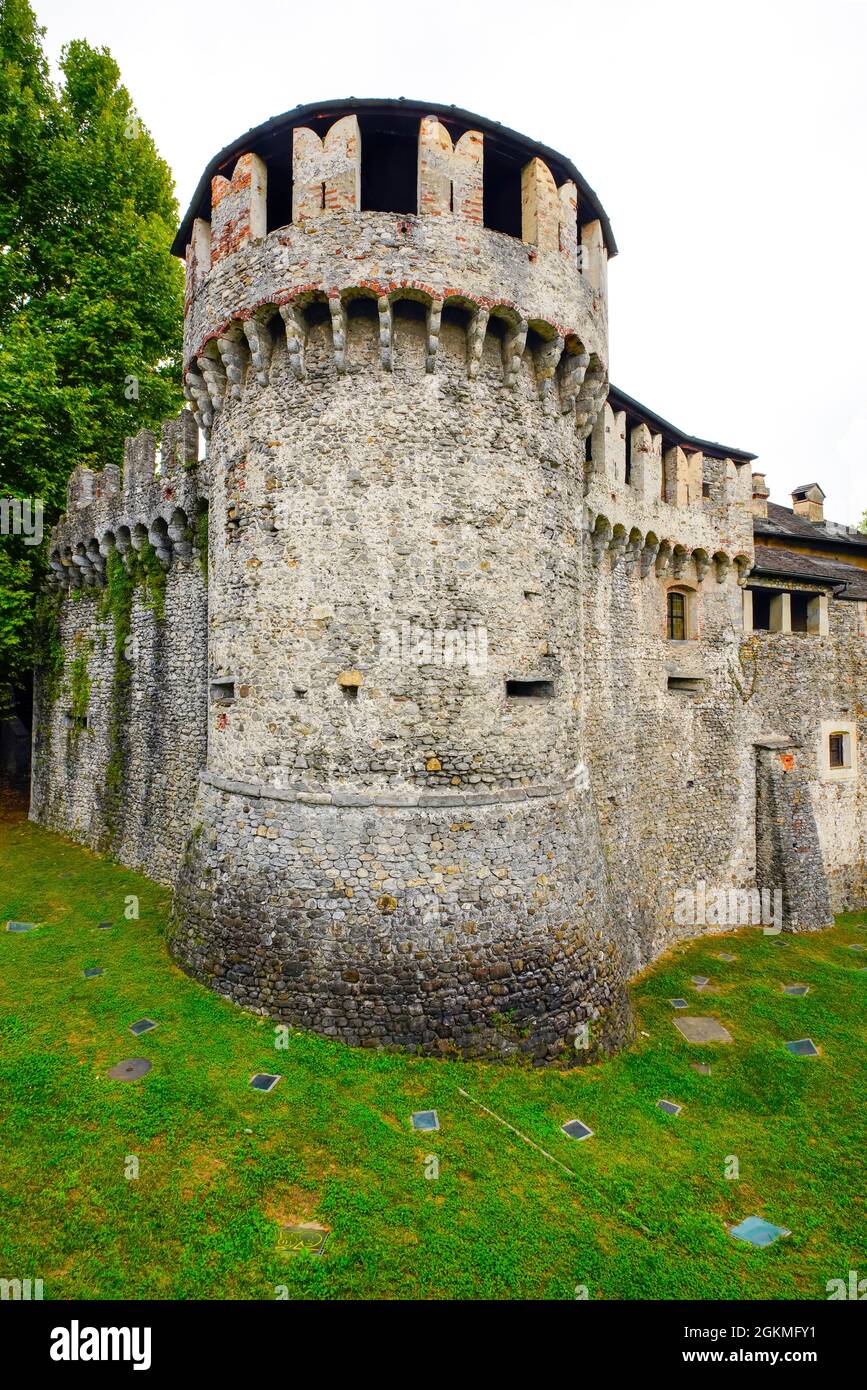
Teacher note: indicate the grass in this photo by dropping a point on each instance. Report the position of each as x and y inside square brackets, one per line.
[221, 1167]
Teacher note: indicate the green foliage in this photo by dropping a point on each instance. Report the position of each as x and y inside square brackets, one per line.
[202, 540]
[150, 574]
[643, 1216]
[79, 690]
[141, 569]
[116, 604]
[48, 648]
[91, 299]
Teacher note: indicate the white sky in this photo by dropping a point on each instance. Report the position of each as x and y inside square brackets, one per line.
[726, 142]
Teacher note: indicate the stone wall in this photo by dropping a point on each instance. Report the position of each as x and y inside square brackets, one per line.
[120, 731]
[803, 686]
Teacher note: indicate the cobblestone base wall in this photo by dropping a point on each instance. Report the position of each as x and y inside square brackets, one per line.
[485, 928]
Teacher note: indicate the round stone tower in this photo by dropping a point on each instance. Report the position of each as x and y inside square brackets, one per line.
[396, 341]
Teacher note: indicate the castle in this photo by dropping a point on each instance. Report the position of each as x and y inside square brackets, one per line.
[446, 666]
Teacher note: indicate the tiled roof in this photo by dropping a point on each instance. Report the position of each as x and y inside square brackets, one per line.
[782, 521]
[794, 564]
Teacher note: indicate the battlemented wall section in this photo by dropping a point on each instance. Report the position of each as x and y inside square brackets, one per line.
[121, 712]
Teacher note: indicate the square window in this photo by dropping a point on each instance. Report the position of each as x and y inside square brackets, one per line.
[838, 750]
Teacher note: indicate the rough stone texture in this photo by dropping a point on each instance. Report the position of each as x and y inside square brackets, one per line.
[419, 496]
[326, 172]
[238, 207]
[162, 740]
[449, 176]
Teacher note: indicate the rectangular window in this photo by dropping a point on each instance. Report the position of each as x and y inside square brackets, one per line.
[529, 690]
[222, 690]
[800, 604]
[837, 750]
[677, 617]
[762, 609]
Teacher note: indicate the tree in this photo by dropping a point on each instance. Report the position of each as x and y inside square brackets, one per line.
[91, 298]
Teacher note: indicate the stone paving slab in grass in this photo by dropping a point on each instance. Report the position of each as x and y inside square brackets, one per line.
[679, 1003]
[144, 1025]
[264, 1081]
[803, 1047]
[726, 956]
[757, 1231]
[131, 1069]
[577, 1130]
[703, 1030]
[669, 1106]
[425, 1120]
[799, 990]
[92, 972]
[20, 926]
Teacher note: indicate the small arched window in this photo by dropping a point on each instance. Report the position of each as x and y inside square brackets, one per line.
[680, 615]
[676, 616]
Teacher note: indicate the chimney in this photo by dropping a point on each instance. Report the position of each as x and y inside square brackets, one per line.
[807, 502]
[760, 495]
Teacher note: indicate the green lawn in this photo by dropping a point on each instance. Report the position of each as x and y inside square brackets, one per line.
[222, 1168]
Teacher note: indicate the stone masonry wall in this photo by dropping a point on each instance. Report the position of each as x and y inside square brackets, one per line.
[120, 741]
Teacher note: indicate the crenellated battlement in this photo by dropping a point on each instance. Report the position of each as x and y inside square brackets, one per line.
[674, 503]
[156, 497]
[395, 157]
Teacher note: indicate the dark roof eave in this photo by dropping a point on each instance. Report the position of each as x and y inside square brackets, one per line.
[345, 106]
[781, 572]
[621, 401]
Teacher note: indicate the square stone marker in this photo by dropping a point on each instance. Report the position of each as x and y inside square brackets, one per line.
[700, 979]
[796, 989]
[264, 1081]
[144, 1025]
[92, 972]
[669, 1106]
[804, 1047]
[726, 955]
[309, 1236]
[20, 926]
[678, 1003]
[703, 1030]
[857, 947]
[104, 926]
[756, 1231]
[702, 1068]
[425, 1119]
[576, 1130]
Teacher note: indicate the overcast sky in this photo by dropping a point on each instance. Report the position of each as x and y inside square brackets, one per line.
[726, 142]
